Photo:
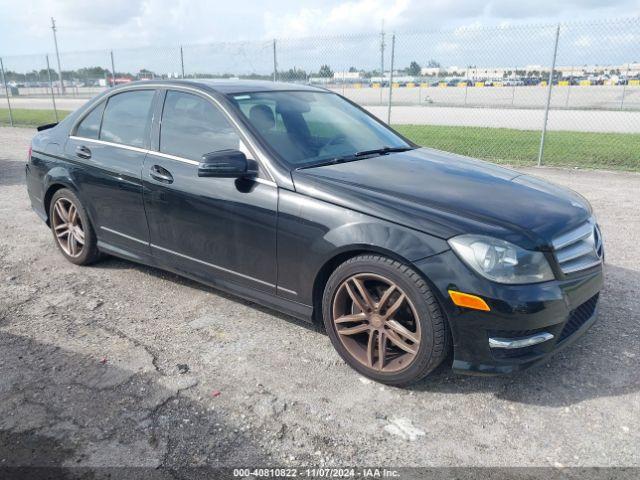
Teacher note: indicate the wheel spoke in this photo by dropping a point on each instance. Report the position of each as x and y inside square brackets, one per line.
[382, 348]
[62, 213]
[63, 233]
[385, 296]
[400, 343]
[394, 308]
[364, 293]
[355, 317]
[371, 348]
[71, 243]
[354, 330]
[402, 330]
[72, 214]
[79, 237]
[61, 226]
[357, 300]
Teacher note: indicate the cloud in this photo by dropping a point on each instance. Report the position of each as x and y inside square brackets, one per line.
[345, 18]
[117, 24]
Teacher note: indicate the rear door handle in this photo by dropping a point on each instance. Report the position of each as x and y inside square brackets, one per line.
[83, 152]
[161, 174]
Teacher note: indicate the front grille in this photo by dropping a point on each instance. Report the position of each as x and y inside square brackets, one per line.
[578, 317]
[580, 248]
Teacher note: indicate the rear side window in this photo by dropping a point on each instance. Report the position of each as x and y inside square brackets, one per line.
[127, 118]
[90, 126]
[191, 126]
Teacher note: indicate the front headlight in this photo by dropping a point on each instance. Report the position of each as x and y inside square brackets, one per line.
[501, 261]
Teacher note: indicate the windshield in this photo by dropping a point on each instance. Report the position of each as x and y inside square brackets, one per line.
[309, 128]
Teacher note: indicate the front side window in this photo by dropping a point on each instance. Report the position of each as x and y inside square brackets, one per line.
[127, 118]
[90, 125]
[308, 128]
[191, 126]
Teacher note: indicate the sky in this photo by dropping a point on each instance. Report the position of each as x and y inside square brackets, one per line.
[124, 24]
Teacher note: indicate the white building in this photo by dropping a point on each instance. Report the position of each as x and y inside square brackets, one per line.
[346, 76]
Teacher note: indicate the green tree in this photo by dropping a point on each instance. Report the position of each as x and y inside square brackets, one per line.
[325, 71]
[414, 69]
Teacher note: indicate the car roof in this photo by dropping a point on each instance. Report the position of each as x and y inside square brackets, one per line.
[232, 87]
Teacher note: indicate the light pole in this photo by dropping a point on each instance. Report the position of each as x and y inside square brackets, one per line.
[55, 42]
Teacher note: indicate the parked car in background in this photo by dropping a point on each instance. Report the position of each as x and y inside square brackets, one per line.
[298, 199]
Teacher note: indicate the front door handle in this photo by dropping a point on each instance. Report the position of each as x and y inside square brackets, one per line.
[161, 174]
[83, 152]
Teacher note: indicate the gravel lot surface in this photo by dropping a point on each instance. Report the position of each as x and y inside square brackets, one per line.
[120, 364]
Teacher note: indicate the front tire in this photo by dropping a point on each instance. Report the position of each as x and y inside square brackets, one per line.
[383, 320]
[71, 228]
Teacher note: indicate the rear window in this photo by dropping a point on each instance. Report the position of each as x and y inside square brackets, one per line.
[127, 118]
[90, 126]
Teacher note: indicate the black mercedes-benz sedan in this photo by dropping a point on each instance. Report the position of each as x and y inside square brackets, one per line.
[297, 199]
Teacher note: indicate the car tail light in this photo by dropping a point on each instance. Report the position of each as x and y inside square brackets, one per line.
[29, 154]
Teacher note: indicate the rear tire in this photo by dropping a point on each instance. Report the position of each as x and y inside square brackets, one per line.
[72, 230]
[400, 318]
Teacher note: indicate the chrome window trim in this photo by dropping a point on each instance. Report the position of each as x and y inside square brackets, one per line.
[262, 158]
[217, 267]
[110, 144]
[260, 180]
[244, 136]
[173, 157]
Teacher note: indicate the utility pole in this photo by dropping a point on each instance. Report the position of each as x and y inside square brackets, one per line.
[53, 97]
[113, 70]
[393, 48]
[182, 61]
[6, 91]
[55, 42]
[275, 62]
[549, 88]
[382, 45]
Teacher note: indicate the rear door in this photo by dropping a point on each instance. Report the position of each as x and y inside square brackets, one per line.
[218, 229]
[110, 143]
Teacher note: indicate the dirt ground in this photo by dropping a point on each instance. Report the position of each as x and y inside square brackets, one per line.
[121, 364]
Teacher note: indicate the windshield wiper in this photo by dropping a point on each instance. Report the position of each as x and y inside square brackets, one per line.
[357, 156]
[332, 161]
[382, 151]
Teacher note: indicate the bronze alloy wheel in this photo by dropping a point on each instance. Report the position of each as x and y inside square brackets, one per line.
[67, 227]
[376, 322]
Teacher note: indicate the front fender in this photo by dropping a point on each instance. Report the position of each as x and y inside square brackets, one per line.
[381, 236]
[312, 233]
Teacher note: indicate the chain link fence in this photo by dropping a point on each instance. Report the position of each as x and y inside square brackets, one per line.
[564, 94]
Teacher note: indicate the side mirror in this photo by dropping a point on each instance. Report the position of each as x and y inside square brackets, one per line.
[226, 164]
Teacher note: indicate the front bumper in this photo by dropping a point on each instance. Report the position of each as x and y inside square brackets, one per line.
[562, 308]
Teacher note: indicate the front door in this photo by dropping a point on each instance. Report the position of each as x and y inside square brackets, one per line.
[110, 144]
[216, 229]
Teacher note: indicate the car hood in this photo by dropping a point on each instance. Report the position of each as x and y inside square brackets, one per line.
[446, 195]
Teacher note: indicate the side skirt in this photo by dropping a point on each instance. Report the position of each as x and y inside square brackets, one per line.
[288, 307]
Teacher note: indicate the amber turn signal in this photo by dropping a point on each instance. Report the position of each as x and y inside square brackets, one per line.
[468, 301]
